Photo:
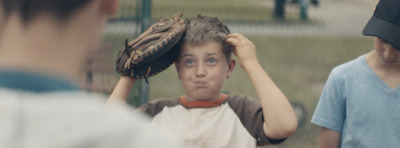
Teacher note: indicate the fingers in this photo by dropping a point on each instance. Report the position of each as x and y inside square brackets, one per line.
[234, 38]
[237, 39]
[243, 47]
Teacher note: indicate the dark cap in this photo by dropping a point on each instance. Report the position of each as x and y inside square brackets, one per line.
[385, 23]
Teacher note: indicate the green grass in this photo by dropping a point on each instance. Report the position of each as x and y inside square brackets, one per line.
[226, 10]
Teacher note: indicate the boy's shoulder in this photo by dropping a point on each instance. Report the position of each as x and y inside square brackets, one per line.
[239, 101]
[154, 107]
[354, 66]
[236, 103]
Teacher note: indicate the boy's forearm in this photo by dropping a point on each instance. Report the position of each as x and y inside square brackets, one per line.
[122, 89]
[280, 120]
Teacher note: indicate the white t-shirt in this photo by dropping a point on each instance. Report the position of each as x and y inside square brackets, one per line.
[73, 119]
[230, 122]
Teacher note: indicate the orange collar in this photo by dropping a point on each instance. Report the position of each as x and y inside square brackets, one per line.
[202, 104]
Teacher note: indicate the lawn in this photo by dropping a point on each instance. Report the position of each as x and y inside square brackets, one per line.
[227, 10]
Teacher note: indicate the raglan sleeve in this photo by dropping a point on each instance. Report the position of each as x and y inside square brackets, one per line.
[156, 106]
[250, 113]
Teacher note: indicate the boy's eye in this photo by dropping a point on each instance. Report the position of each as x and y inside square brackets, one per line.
[211, 61]
[189, 62]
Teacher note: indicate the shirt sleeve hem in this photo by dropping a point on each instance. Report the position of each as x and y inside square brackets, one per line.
[326, 124]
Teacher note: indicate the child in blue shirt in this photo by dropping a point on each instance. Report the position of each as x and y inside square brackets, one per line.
[359, 105]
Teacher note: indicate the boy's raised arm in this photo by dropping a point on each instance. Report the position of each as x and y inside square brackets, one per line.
[122, 89]
[280, 120]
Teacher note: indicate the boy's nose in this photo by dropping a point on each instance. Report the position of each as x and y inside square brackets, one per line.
[200, 71]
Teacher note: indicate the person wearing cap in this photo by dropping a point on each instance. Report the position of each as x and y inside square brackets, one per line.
[360, 103]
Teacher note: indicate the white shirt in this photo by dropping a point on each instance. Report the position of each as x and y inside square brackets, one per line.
[73, 119]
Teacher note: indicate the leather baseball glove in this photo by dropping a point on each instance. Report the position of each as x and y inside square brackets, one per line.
[153, 51]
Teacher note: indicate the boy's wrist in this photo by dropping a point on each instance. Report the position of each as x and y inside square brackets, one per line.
[250, 64]
[126, 82]
[128, 79]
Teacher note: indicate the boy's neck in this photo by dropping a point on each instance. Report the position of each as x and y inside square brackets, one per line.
[376, 63]
[202, 104]
[389, 73]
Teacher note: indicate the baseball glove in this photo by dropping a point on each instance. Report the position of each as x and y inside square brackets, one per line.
[151, 52]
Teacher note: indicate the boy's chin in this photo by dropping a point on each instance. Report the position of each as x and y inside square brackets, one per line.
[204, 98]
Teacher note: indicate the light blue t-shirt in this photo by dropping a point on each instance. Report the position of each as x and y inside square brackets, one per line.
[357, 103]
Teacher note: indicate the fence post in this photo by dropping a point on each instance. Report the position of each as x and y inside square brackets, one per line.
[146, 22]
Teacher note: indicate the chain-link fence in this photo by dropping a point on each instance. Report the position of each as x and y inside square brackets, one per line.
[298, 52]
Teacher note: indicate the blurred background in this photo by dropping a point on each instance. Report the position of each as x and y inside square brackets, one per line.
[298, 43]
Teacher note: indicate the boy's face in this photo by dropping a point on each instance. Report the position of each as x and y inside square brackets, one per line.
[386, 52]
[202, 70]
[1, 19]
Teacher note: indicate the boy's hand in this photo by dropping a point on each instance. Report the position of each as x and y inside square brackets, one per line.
[244, 49]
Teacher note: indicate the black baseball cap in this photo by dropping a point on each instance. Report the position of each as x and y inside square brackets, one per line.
[385, 23]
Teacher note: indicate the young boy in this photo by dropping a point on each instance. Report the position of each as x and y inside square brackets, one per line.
[360, 106]
[205, 117]
[42, 45]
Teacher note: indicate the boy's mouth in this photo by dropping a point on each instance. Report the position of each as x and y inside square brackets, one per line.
[390, 61]
[200, 83]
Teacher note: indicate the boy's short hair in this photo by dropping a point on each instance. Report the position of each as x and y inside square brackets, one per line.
[201, 29]
[385, 23]
[28, 9]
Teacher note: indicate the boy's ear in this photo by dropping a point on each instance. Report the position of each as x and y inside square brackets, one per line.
[231, 66]
[177, 70]
[110, 6]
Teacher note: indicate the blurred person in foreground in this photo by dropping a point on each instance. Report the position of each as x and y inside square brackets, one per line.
[360, 103]
[42, 45]
[205, 117]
